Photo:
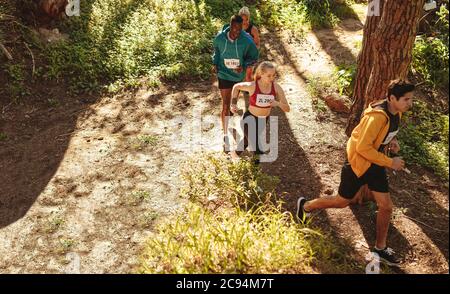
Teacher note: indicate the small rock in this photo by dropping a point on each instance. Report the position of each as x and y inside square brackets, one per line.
[52, 36]
[337, 103]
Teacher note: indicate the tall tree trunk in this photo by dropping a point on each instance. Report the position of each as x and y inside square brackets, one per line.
[364, 66]
[394, 45]
[386, 53]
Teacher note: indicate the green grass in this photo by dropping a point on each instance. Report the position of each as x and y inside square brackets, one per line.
[137, 197]
[239, 241]
[144, 141]
[424, 139]
[232, 226]
[16, 87]
[54, 222]
[65, 245]
[242, 184]
[148, 139]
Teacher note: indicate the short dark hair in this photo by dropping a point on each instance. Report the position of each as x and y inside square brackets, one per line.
[236, 19]
[399, 88]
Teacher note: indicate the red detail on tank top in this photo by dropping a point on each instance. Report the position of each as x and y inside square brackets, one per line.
[252, 99]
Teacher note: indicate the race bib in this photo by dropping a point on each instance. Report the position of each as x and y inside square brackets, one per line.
[231, 63]
[389, 137]
[263, 100]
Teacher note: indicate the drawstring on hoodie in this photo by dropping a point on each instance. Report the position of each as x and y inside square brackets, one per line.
[225, 49]
[226, 42]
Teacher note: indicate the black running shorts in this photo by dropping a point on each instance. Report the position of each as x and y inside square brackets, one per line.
[225, 84]
[375, 177]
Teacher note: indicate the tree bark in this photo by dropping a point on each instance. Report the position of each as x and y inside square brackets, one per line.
[364, 67]
[386, 53]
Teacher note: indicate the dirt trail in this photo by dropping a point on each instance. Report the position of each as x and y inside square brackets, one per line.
[116, 174]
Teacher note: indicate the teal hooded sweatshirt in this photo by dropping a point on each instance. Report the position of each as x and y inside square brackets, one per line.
[228, 55]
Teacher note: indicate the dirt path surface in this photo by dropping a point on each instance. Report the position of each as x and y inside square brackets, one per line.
[84, 182]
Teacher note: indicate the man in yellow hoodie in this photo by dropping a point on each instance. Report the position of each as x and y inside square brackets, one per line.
[371, 140]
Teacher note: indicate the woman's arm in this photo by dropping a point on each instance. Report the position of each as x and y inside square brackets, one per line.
[282, 102]
[243, 86]
[255, 35]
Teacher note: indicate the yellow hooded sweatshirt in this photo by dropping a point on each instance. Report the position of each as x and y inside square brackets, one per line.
[366, 139]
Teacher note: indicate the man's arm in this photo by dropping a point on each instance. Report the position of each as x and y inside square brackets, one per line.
[216, 54]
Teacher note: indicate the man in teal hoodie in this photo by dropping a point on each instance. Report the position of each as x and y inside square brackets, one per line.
[234, 51]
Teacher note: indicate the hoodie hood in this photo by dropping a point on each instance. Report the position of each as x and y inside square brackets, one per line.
[371, 109]
[243, 36]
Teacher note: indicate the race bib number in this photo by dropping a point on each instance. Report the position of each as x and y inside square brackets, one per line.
[231, 63]
[264, 100]
[389, 137]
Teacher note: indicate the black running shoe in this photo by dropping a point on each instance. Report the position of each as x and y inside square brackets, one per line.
[301, 213]
[387, 256]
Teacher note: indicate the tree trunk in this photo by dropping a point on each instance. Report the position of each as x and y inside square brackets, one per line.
[386, 53]
[364, 67]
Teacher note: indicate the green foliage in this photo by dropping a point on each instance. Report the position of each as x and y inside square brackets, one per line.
[345, 79]
[124, 43]
[210, 236]
[442, 25]
[124, 40]
[316, 87]
[424, 139]
[295, 14]
[318, 13]
[430, 53]
[16, 76]
[430, 60]
[223, 10]
[344, 9]
[284, 14]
